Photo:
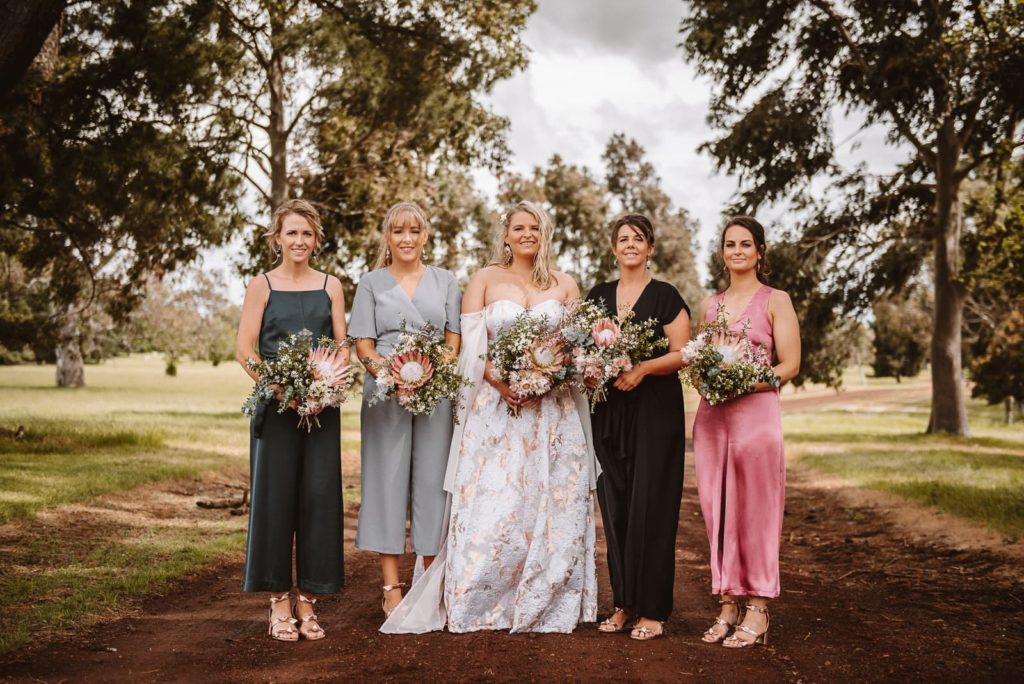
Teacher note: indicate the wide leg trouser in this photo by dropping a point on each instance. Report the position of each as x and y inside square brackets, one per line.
[295, 480]
[403, 464]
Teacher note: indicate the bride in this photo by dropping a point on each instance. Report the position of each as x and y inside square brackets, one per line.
[520, 548]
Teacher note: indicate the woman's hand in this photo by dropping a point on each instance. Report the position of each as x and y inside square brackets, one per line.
[629, 380]
[513, 400]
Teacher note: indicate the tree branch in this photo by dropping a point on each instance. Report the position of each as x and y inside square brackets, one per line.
[901, 124]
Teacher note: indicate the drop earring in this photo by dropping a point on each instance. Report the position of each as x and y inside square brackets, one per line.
[507, 253]
[387, 256]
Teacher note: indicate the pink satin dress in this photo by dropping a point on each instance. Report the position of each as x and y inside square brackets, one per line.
[741, 475]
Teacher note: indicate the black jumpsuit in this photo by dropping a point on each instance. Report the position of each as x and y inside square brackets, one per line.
[640, 440]
[295, 475]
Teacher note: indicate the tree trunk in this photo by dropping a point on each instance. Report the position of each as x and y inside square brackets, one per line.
[1009, 410]
[24, 29]
[70, 371]
[949, 407]
[278, 132]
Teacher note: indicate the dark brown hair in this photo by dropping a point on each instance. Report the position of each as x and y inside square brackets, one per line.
[637, 221]
[756, 231]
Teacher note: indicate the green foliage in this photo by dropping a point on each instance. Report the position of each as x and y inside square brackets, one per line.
[109, 167]
[381, 102]
[583, 208]
[941, 80]
[186, 316]
[902, 327]
[993, 259]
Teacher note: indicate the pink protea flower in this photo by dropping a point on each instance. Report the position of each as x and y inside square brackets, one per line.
[546, 356]
[329, 366]
[605, 332]
[411, 371]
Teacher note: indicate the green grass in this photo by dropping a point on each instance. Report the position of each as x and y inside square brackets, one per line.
[979, 478]
[129, 426]
[82, 587]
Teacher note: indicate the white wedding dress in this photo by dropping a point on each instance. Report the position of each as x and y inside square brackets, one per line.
[519, 554]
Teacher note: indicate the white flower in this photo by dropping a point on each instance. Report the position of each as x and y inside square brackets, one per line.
[691, 349]
[411, 372]
[729, 353]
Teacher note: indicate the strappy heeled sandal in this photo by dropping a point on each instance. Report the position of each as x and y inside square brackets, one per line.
[289, 633]
[308, 631]
[384, 598]
[711, 636]
[735, 641]
[609, 626]
[645, 633]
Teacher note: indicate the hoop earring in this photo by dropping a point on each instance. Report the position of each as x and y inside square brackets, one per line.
[277, 252]
[507, 253]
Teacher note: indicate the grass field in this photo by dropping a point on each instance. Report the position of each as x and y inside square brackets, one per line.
[883, 447]
[131, 425]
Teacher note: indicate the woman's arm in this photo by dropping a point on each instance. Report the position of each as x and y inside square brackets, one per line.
[678, 334]
[473, 300]
[786, 331]
[453, 340]
[256, 295]
[366, 349]
[337, 295]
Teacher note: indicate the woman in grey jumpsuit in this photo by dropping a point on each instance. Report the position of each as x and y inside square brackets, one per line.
[295, 474]
[403, 455]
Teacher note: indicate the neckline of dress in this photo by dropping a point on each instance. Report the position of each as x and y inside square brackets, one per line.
[527, 308]
[746, 307]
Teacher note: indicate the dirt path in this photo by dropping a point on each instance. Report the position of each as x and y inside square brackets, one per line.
[864, 599]
[860, 602]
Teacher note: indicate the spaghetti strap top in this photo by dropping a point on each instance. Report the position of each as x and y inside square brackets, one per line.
[289, 311]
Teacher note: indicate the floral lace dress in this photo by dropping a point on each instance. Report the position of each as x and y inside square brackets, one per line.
[521, 544]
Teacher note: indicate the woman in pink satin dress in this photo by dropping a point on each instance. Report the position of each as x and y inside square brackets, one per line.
[739, 459]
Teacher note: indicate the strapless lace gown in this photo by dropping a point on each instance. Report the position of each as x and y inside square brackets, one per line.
[521, 544]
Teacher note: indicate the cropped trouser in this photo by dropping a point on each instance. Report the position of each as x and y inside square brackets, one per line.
[295, 479]
[403, 460]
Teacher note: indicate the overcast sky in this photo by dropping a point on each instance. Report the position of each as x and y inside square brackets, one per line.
[599, 67]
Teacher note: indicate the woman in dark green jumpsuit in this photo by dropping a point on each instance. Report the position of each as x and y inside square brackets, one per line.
[295, 475]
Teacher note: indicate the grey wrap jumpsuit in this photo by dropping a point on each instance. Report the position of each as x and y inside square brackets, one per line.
[403, 455]
[295, 475]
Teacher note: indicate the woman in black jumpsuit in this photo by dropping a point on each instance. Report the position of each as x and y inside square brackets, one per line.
[295, 474]
[639, 439]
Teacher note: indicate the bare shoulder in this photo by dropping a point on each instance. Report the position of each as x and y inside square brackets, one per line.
[568, 284]
[779, 298]
[705, 305]
[258, 286]
[334, 286]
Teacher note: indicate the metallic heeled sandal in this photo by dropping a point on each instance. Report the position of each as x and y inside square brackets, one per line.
[646, 633]
[275, 622]
[711, 636]
[310, 632]
[759, 638]
[609, 626]
[384, 598]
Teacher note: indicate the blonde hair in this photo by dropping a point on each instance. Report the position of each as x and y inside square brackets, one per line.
[542, 278]
[300, 208]
[390, 221]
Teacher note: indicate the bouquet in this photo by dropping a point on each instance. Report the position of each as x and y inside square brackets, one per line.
[605, 347]
[303, 377]
[531, 356]
[419, 373]
[723, 365]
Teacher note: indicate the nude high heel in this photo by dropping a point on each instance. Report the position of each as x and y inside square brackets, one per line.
[711, 636]
[288, 633]
[762, 638]
[383, 599]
